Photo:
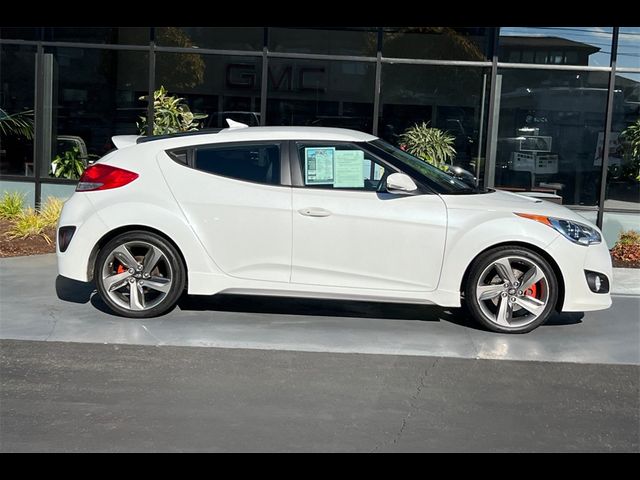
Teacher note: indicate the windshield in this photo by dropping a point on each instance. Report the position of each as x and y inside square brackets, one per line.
[441, 182]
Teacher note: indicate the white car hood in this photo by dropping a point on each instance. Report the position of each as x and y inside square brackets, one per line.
[501, 201]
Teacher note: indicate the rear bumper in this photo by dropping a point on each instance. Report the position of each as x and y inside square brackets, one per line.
[573, 260]
[74, 262]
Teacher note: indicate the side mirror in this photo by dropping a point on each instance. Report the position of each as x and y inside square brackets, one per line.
[400, 183]
[465, 175]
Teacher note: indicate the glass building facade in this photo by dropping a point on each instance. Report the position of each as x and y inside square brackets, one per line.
[544, 110]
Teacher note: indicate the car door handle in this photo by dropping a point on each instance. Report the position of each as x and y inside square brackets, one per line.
[314, 212]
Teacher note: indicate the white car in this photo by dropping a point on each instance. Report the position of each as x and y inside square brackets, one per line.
[323, 213]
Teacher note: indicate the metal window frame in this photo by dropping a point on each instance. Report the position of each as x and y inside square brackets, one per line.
[492, 62]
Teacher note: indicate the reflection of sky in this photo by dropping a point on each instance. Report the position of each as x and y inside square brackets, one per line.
[629, 47]
[628, 44]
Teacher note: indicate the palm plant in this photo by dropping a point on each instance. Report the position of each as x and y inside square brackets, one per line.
[432, 145]
[171, 115]
[19, 123]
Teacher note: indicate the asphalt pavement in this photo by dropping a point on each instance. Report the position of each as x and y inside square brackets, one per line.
[93, 397]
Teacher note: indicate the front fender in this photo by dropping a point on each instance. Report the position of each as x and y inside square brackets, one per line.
[472, 232]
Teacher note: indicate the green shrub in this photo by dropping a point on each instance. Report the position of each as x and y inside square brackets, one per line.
[50, 211]
[629, 237]
[11, 205]
[29, 223]
[32, 222]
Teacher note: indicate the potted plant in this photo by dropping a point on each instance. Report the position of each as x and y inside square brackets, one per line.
[430, 144]
[171, 115]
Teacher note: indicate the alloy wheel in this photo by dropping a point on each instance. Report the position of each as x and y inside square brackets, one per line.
[137, 275]
[512, 291]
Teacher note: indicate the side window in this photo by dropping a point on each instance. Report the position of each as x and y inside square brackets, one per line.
[252, 163]
[339, 166]
[180, 156]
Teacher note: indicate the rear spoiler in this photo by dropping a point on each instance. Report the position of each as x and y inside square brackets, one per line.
[122, 141]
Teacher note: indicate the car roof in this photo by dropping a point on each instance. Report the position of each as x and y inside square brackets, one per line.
[249, 134]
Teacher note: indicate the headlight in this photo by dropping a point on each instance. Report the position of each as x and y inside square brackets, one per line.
[574, 231]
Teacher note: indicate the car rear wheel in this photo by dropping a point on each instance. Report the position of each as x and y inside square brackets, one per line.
[511, 290]
[139, 274]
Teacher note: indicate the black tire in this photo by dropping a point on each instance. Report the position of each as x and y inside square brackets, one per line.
[173, 258]
[488, 258]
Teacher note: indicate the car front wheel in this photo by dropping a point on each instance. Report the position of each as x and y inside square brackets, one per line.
[139, 274]
[511, 290]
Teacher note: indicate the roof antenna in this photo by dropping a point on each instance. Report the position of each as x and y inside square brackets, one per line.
[234, 124]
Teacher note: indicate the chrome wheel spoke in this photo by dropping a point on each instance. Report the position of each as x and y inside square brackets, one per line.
[531, 305]
[158, 283]
[531, 277]
[503, 317]
[116, 281]
[123, 255]
[503, 266]
[151, 259]
[488, 292]
[136, 297]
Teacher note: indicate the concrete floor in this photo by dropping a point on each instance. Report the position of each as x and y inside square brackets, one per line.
[36, 304]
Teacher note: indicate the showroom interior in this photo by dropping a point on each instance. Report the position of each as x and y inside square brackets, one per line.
[540, 110]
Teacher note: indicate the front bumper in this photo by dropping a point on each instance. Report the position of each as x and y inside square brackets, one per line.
[573, 261]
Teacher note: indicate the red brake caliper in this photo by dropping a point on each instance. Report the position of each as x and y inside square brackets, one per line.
[121, 269]
[532, 291]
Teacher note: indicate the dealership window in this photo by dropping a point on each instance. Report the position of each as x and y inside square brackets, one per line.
[21, 33]
[111, 35]
[92, 95]
[629, 47]
[254, 163]
[453, 99]
[623, 172]
[17, 77]
[586, 46]
[221, 38]
[321, 93]
[549, 133]
[437, 43]
[360, 41]
[219, 86]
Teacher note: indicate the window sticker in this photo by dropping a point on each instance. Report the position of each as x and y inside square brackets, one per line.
[349, 171]
[318, 165]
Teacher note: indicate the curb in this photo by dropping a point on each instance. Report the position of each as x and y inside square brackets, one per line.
[626, 281]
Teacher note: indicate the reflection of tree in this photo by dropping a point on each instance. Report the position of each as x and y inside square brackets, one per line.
[427, 85]
[440, 43]
[179, 71]
[631, 148]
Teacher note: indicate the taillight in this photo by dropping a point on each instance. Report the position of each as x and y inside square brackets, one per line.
[104, 177]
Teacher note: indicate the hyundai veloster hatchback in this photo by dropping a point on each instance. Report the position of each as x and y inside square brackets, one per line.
[323, 213]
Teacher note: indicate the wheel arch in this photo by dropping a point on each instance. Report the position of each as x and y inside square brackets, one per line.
[130, 228]
[536, 249]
